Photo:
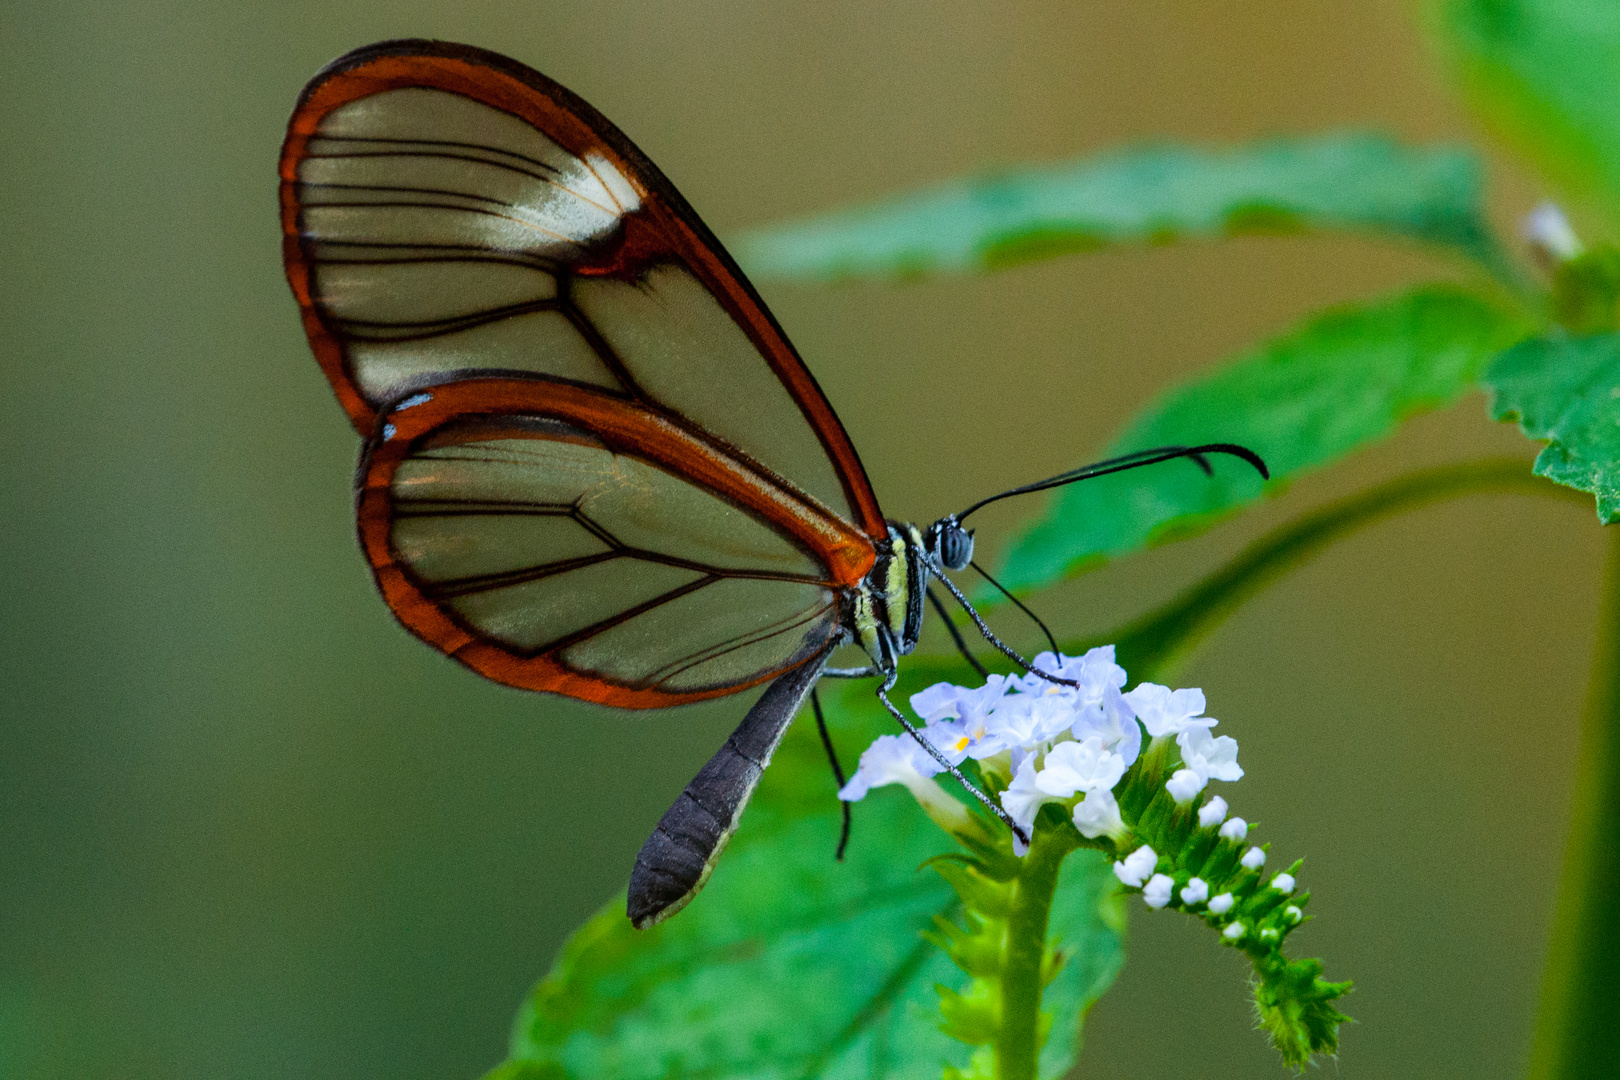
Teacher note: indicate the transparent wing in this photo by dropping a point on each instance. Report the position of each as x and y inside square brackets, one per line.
[449, 212]
[559, 538]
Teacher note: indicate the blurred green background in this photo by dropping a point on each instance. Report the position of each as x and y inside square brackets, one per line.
[250, 828]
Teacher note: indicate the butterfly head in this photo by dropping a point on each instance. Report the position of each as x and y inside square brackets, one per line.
[949, 543]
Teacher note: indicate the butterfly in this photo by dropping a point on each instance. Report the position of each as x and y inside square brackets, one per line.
[593, 464]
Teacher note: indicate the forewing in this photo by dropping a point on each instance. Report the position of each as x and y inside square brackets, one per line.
[449, 212]
[558, 538]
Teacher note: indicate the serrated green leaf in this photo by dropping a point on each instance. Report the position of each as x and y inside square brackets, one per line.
[1566, 391]
[1343, 379]
[1350, 181]
[1547, 74]
[789, 964]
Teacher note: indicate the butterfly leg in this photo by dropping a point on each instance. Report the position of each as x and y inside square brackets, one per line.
[838, 771]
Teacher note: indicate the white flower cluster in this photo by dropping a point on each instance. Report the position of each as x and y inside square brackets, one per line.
[1055, 743]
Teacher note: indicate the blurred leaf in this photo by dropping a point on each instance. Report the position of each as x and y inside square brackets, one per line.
[1339, 181]
[1566, 391]
[1546, 73]
[789, 964]
[1343, 379]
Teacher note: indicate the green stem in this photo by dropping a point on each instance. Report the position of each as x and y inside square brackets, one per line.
[1152, 645]
[1018, 1038]
[1576, 1035]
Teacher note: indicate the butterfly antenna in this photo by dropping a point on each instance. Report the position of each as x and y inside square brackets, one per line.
[1021, 606]
[838, 772]
[956, 635]
[933, 752]
[1197, 454]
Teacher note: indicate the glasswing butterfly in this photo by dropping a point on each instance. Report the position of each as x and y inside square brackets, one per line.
[593, 463]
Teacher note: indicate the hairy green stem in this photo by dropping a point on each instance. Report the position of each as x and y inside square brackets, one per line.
[1018, 1040]
[1152, 645]
[1576, 1035]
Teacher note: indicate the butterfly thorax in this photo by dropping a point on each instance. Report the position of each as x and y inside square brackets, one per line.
[886, 614]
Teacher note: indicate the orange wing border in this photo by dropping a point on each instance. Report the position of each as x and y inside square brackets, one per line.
[666, 226]
[622, 426]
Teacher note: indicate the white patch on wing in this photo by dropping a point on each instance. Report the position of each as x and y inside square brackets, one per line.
[627, 197]
[441, 168]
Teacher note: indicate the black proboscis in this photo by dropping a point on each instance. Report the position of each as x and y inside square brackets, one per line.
[1050, 640]
[956, 635]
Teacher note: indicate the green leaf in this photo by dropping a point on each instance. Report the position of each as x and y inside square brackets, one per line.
[789, 964]
[1567, 391]
[1341, 380]
[1547, 74]
[1339, 181]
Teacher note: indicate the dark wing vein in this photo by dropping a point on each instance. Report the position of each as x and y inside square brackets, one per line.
[615, 210]
[387, 141]
[432, 328]
[702, 656]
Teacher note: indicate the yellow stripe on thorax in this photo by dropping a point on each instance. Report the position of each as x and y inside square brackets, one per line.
[895, 588]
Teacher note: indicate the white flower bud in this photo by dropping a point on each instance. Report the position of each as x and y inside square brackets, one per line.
[1283, 883]
[1156, 893]
[1235, 829]
[1184, 786]
[1293, 913]
[1196, 891]
[1136, 867]
[1098, 813]
[1234, 932]
[1549, 234]
[1253, 859]
[1212, 812]
[1221, 904]
[1269, 935]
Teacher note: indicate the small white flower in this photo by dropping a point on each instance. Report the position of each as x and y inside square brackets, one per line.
[1221, 904]
[1253, 859]
[1283, 883]
[1022, 799]
[947, 701]
[1097, 814]
[1136, 866]
[1184, 786]
[1234, 932]
[1196, 891]
[1095, 671]
[1079, 766]
[898, 759]
[1270, 934]
[1548, 230]
[891, 759]
[1294, 913]
[1156, 893]
[1168, 712]
[1212, 812]
[958, 717]
[1111, 719]
[1212, 757]
[1024, 722]
[1235, 829]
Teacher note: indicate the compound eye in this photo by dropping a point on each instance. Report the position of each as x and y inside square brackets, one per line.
[955, 546]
